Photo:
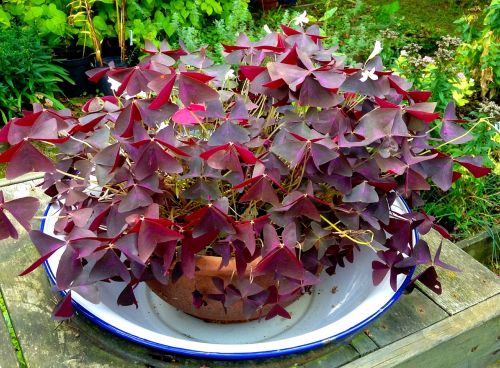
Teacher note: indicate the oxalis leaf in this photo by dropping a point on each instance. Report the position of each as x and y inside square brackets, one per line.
[363, 192]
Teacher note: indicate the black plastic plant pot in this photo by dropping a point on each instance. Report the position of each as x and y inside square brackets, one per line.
[76, 60]
[103, 85]
[287, 2]
[111, 53]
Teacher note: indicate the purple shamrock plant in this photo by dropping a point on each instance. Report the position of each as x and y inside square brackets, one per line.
[292, 164]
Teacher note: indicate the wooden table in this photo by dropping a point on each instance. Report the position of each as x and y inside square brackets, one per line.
[460, 328]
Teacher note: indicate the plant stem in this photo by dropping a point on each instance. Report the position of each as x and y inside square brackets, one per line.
[344, 234]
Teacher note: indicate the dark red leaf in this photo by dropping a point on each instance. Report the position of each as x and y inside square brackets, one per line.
[438, 262]
[24, 158]
[64, 309]
[127, 297]
[7, 229]
[250, 71]
[430, 279]
[441, 230]
[109, 266]
[281, 261]
[278, 310]
[46, 246]
[23, 210]
[473, 164]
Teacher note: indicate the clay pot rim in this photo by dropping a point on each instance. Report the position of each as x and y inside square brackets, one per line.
[209, 266]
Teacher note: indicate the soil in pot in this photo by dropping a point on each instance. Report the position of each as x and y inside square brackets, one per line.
[76, 60]
[180, 293]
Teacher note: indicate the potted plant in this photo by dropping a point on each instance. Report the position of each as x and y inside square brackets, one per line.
[81, 14]
[115, 49]
[279, 164]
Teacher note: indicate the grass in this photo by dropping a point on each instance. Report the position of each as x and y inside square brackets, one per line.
[471, 205]
[430, 17]
[494, 262]
[357, 23]
[13, 337]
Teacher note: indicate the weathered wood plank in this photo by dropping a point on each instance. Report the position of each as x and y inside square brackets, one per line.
[480, 246]
[7, 354]
[470, 338]
[411, 313]
[363, 344]
[45, 343]
[336, 358]
[464, 289]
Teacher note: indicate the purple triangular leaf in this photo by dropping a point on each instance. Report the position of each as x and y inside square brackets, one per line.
[64, 309]
[440, 263]
[278, 310]
[228, 132]
[23, 210]
[364, 193]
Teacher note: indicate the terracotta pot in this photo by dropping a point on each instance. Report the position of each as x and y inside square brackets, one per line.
[180, 295]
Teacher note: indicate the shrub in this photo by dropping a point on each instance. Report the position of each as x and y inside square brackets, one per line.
[27, 73]
[480, 51]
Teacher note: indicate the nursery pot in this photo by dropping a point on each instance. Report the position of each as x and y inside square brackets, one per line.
[288, 2]
[76, 60]
[180, 293]
[104, 85]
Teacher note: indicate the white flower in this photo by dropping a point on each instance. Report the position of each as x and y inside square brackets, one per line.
[427, 59]
[114, 84]
[229, 75]
[267, 29]
[365, 74]
[404, 53]
[376, 50]
[461, 75]
[301, 19]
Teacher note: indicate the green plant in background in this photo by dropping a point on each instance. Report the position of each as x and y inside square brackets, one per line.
[438, 73]
[47, 16]
[27, 73]
[224, 28]
[480, 52]
[354, 30]
[495, 250]
[201, 22]
[471, 205]
[82, 16]
[198, 21]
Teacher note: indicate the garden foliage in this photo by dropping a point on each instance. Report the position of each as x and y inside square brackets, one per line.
[28, 73]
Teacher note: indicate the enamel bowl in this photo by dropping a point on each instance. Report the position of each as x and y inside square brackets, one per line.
[337, 307]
